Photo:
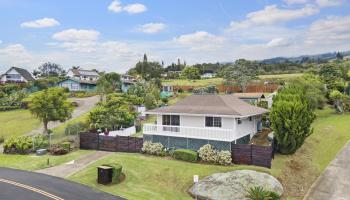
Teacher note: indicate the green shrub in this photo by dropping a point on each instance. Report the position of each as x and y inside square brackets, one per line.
[153, 148]
[57, 150]
[259, 193]
[2, 139]
[75, 128]
[186, 155]
[224, 157]
[24, 144]
[207, 153]
[65, 145]
[117, 171]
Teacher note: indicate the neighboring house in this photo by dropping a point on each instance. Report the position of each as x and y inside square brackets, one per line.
[74, 84]
[252, 98]
[127, 81]
[167, 91]
[208, 75]
[220, 120]
[80, 80]
[16, 75]
[84, 75]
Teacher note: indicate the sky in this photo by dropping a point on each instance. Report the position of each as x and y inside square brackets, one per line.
[112, 35]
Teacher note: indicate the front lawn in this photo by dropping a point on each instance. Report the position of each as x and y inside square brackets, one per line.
[297, 172]
[17, 122]
[149, 177]
[33, 162]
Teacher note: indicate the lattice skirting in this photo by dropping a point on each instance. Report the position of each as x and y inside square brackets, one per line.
[186, 143]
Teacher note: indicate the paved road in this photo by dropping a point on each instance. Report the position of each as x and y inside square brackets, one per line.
[66, 169]
[334, 182]
[23, 185]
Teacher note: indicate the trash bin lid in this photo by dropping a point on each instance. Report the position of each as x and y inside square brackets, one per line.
[104, 167]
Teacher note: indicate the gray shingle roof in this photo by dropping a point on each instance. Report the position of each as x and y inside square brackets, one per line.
[24, 73]
[211, 105]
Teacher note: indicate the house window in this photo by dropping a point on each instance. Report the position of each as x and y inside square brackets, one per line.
[213, 121]
[250, 118]
[239, 121]
[169, 121]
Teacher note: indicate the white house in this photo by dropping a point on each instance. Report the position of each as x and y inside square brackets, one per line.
[220, 120]
[16, 75]
[84, 75]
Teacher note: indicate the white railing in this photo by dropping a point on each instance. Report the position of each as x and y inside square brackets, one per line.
[190, 132]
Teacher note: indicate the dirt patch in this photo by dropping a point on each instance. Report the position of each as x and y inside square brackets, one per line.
[261, 138]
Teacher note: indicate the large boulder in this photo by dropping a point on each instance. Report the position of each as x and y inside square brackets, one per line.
[234, 185]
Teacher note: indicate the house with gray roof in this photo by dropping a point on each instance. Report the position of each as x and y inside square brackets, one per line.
[220, 120]
[16, 75]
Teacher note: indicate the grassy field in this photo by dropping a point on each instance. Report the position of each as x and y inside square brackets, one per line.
[17, 122]
[32, 162]
[149, 177]
[218, 81]
[297, 172]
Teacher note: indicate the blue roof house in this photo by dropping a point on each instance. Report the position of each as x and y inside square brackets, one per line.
[78, 85]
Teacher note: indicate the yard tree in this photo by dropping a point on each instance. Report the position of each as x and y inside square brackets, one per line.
[116, 112]
[291, 117]
[50, 105]
[49, 69]
[147, 91]
[108, 83]
[331, 76]
[338, 98]
[149, 70]
[241, 72]
[191, 73]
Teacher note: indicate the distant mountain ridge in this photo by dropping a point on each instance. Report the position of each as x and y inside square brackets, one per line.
[305, 58]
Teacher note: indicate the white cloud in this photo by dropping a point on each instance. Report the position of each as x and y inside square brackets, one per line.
[200, 40]
[16, 54]
[76, 35]
[296, 1]
[116, 6]
[329, 3]
[278, 42]
[151, 28]
[271, 15]
[135, 8]
[40, 23]
[333, 29]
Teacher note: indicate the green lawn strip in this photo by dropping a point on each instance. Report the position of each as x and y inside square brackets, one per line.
[33, 162]
[149, 177]
[298, 172]
[17, 122]
[218, 81]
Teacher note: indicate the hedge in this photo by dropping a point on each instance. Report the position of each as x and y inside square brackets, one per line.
[117, 171]
[186, 155]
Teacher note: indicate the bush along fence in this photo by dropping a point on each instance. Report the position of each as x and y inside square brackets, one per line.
[247, 154]
[110, 143]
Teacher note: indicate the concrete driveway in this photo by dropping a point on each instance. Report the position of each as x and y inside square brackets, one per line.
[334, 182]
[23, 185]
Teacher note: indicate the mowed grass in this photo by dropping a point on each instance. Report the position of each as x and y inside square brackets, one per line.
[33, 162]
[149, 177]
[218, 81]
[17, 122]
[298, 172]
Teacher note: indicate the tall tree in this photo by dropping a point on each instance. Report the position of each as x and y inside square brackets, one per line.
[50, 105]
[331, 76]
[191, 73]
[108, 83]
[241, 72]
[291, 117]
[49, 69]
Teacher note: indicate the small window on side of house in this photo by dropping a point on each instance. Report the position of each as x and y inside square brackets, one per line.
[250, 118]
[239, 121]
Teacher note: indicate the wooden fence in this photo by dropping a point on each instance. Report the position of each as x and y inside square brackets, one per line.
[249, 154]
[110, 143]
